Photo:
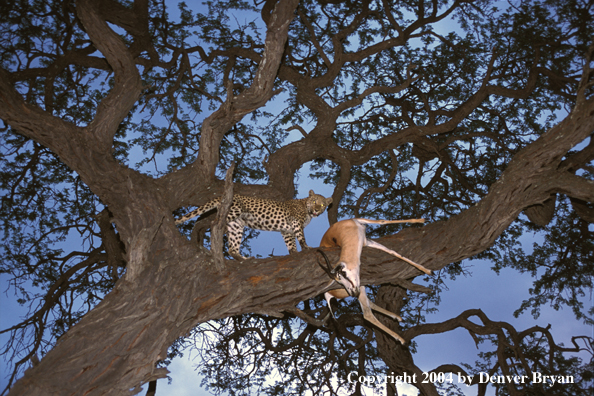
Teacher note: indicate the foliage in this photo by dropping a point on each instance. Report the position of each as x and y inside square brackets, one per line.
[415, 109]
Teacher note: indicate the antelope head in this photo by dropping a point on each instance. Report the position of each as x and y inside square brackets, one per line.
[341, 273]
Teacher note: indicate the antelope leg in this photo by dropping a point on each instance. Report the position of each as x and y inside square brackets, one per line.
[381, 247]
[369, 221]
[377, 308]
[368, 315]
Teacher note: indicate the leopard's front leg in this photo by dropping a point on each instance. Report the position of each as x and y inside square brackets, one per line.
[289, 238]
[301, 238]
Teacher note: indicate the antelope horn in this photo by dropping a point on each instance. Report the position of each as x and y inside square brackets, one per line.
[328, 268]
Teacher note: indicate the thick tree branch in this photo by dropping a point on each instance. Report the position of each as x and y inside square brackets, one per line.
[234, 109]
[168, 289]
[127, 84]
[574, 186]
[33, 122]
[278, 284]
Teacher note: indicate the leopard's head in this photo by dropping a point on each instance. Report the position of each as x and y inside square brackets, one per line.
[317, 204]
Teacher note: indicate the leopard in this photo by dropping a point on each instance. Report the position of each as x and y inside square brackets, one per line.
[288, 217]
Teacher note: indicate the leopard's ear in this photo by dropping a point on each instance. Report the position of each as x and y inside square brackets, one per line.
[311, 192]
[328, 201]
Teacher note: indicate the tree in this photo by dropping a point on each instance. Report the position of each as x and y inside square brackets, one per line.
[471, 113]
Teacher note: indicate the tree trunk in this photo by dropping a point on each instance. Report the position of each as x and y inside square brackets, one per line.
[114, 348]
[170, 285]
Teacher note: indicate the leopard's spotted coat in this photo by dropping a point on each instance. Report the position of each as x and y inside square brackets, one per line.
[289, 217]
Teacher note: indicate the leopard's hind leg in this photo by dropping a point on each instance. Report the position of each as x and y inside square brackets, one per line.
[234, 237]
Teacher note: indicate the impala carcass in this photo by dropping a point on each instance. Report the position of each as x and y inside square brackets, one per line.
[349, 235]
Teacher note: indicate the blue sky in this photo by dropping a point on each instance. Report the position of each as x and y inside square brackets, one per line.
[497, 295]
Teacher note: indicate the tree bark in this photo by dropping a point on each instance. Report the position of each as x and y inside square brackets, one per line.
[114, 348]
[170, 285]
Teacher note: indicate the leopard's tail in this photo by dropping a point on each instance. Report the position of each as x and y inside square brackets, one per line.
[210, 205]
